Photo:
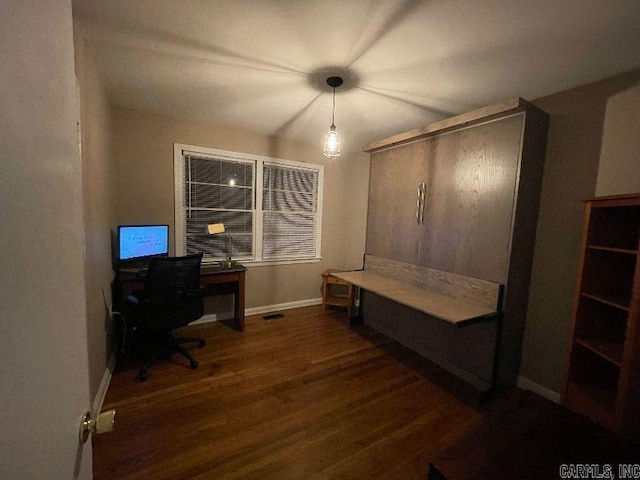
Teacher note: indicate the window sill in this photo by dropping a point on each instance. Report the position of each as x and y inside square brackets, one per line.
[267, 263]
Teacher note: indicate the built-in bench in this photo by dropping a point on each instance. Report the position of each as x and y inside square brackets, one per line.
[450, 319]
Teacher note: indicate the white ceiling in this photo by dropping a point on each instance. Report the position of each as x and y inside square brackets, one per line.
[261, 65]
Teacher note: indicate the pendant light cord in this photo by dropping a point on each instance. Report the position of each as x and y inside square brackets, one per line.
[333, 110]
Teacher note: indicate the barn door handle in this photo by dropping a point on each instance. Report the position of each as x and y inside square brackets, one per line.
[422, 191]
[418, 203]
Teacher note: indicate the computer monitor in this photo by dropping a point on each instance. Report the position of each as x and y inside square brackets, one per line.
[139, 243]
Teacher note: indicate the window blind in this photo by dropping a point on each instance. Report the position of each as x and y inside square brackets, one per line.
[290, 208]
[271, 208]
[218, 190]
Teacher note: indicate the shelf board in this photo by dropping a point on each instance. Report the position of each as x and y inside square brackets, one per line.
[614, 249]
[592, 401]
[610, 351]
[616, 301]
[339, 302]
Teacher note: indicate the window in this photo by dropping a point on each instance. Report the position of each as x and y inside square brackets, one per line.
[216, 190]
[271, 208]
[289, 211]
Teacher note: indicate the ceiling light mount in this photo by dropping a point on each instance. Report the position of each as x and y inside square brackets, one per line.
[318, 79]
[335, 82]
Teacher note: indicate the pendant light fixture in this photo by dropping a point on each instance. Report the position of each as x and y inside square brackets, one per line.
[332, 140]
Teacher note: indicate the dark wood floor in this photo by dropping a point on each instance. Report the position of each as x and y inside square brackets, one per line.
[300, 397]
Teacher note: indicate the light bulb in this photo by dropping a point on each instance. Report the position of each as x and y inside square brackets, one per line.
[332, 143]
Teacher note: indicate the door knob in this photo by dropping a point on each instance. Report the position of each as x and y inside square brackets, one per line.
[102, 424]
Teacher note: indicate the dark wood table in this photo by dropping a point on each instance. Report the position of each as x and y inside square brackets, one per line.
[216, 279]
[219, 281]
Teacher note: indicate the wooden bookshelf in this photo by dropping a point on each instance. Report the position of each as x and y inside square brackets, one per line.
[603, 378]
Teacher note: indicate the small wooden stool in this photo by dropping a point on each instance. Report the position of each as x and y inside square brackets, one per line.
[332, 297]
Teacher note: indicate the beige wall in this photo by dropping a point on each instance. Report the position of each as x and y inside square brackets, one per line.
[98, 182]
[571, 165]
[143, 147]
[619, 168]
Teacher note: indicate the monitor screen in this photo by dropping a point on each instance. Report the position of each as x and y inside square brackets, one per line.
[137, 242]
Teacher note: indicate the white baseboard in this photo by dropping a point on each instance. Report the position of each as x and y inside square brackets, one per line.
[526, 384]
[98, 401]
[283, 306]
[215, 317]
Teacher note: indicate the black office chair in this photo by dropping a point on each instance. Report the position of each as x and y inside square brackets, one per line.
[172, 298]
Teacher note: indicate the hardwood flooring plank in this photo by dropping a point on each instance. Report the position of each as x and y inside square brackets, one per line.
[303, 396]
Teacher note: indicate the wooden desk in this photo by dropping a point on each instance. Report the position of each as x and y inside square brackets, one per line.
[452, 320]
[433, 303]
[216, 280]
[226, 280]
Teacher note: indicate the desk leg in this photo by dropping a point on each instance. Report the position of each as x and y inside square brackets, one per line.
[239, 303]
[358, 319]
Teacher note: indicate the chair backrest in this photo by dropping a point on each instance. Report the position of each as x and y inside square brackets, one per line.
[172, 295]
[169, 273]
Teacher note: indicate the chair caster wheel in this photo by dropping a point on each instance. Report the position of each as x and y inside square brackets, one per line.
[193, 365]
[142, 377]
